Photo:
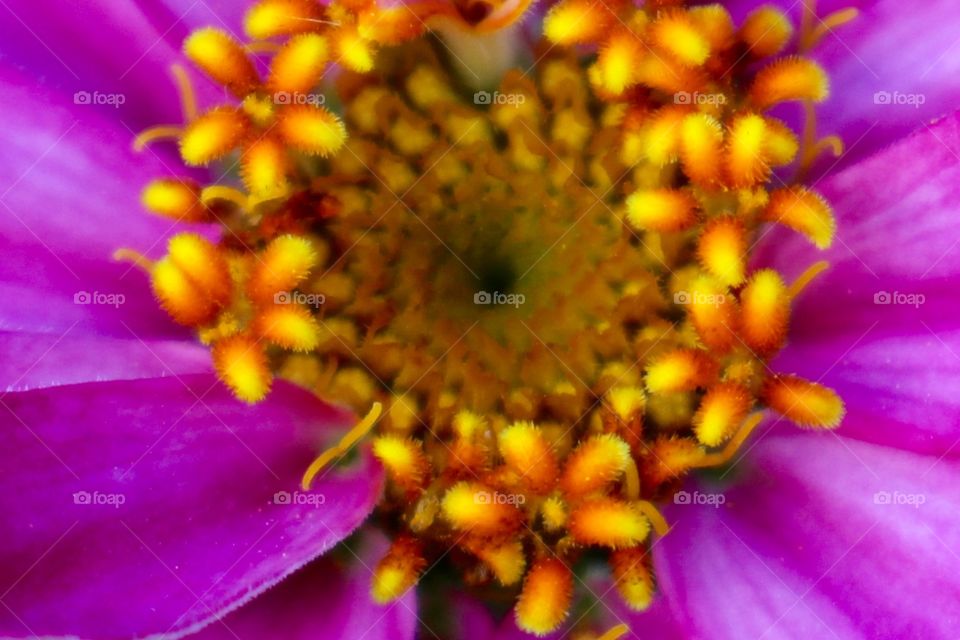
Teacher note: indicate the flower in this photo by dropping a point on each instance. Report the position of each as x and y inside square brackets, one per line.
[210, 517]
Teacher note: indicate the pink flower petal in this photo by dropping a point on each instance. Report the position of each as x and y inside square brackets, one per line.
[879, 326]
[149, 507]
[892, 70]
[329, 599]
[820, 537]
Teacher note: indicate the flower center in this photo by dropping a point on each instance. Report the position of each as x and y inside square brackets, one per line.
[539, 296]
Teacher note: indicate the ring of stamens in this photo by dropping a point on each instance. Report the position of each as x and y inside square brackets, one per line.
[540, 299]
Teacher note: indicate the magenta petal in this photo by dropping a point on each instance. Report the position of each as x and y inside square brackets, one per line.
[821, 537]
[119, 47]
[892, 70]
[72, 199]
[33, 360]
[328, 599]
[148, 507]
[880, 325]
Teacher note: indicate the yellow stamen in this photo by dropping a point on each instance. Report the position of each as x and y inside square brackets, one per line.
[662, 210]
[806, 403]
[299, 65]
[188, 98]
[218, 192]
[680, 370]
[475, 508]
[721, 411]
[805, 278]
[789, 79]
[223, 59]
[242, 365]
[722, 250]
[765, 304]
[398, 571]
[632, 577]
[403, 459]
[270, 18]
[675, 33]
[353, 436]
[609, 523]
[660, 524]
[312, 130]
[594, 464]
[804, 211]
[615, 632]
[175, 198]
[766, 31]
[527, 452]
[546, 597]
[148, 136]
[134, 257]
[212, 136]
[290, 327]
[729, 450]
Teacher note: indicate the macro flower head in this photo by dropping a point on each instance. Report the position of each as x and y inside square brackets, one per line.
[363, 319]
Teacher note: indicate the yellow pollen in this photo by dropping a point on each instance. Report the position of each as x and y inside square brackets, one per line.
[298, 66]
[676, 34]
[223, 59]
[661, 209]
[286, 261]
[270, 18]
[398, 571]
[701, 149]
[594, 464]
[480, 510]
[574, 22]
[507, 561]
[213, 135]
[545, 598]
[289, 326]
[242, 364]
[806, 403]
[633, 577]
[527, 452]
[609, 523]
[804, 211]
[403, 459]
[312, 130]
[680, 370]
[766, 32]
[789, 79]
[721, 411]
[722, 250]
[175, 198]
[747, 151]
[765, 304]
[264, 167]
[554, 512]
